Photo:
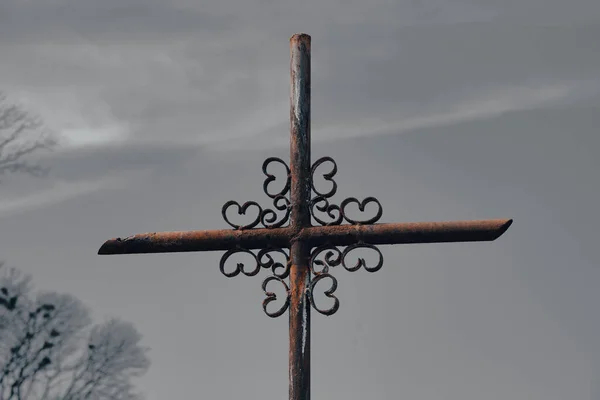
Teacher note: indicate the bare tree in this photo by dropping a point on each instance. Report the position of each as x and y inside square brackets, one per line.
[50, 351]
[21, 134]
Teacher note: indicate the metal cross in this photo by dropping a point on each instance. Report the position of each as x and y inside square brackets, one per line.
[313, 250]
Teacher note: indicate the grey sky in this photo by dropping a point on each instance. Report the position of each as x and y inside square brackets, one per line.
[443, 110]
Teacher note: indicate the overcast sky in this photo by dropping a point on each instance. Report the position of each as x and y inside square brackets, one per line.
[442, 109]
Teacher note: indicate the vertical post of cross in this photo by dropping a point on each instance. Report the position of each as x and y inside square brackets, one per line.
[300, 171]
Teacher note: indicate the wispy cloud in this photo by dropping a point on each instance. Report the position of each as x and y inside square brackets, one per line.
[60, 191]
[92, 136]
[81, 120]
[488, 104]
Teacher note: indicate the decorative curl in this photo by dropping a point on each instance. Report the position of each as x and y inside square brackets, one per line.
[361, 206]
[264, 259]
[361, 261]
[328, 293]
[337, 213]
[327, 176]
[271, 178]
[261, 260]
[241, 210]
[333, 211]
[271, 296]
[239, 266]
[267, 217]
[332, 257]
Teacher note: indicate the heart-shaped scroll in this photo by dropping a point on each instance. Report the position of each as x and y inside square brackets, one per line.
[361, 207]
[361, 261]
[270, 297]
[239, 266]
[271, 178]
[327, 176]
[241, 210]
[328, 293]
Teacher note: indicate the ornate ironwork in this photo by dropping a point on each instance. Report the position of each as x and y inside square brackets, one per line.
[297, 203]
[337, 213]
[263, 259]
[267, 217]
[270, 296]
[319, 267]
[333, 257]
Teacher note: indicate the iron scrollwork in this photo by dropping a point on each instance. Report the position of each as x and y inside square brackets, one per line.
[270, 296]
[337, 213]
[333, 257]
[267, 217]
[263, 260]
[321, 259]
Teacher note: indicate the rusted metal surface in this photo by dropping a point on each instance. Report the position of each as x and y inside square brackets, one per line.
[299, 325]
[309, 252]
[300, 130]
[340, 235]
[405, 233]
[300, 174]
[185, 241]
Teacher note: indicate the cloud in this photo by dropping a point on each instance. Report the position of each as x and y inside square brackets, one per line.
[486, 104]
[489, 104]
[59, 192]
[87, 137]
[79, 120]
[148, 72]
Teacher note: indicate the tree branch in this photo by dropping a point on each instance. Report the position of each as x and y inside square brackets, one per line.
[17, 125]
[48, 353]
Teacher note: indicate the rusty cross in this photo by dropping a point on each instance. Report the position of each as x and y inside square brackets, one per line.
[308, 251]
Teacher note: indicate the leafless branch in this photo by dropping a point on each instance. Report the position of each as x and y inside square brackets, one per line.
[21, 135]
[49, 350]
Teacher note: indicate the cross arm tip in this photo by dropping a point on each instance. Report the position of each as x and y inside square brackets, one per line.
[110, 247]
[504, 227]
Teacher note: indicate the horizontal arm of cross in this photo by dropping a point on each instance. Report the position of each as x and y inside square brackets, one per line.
[340, 235]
